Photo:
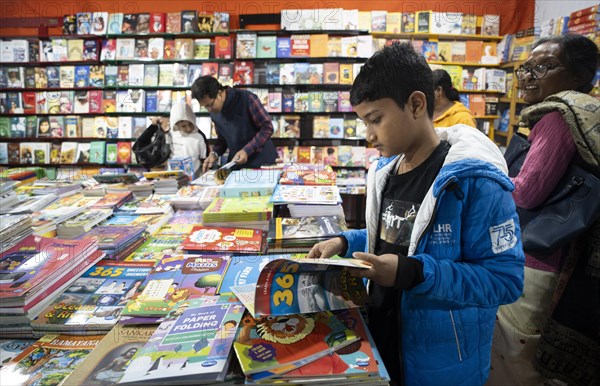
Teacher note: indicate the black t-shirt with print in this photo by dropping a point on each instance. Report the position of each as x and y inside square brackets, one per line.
[401, 200]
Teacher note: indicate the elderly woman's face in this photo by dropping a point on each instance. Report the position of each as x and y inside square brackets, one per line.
[546, 74]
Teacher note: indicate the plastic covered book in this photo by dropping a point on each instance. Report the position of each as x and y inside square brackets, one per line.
[157, 247]
[192, 345]
[228, 240]
[49, 360]
[297, 194]
[107, 363]
[175, 278]
[250, 183]
[287, 287]
[238, 209]
[308, 174]
[94, 301]
[277, 345]
[306, 228]
[39, 260]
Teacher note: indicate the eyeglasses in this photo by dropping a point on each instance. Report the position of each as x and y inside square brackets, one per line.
[537, 72]
[211, 104]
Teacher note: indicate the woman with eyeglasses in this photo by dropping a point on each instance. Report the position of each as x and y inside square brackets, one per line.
[552, 332]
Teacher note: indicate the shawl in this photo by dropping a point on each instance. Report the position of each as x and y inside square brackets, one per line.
[569, 345]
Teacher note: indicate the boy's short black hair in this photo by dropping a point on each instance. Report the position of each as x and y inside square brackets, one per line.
[394, 72]
[206, 85]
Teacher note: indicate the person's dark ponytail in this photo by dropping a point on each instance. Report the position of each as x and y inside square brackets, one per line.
[442, 79]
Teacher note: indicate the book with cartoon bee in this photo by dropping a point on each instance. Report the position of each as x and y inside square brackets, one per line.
[191, 345]
[176, 277]
[294, 285]
[93, 303]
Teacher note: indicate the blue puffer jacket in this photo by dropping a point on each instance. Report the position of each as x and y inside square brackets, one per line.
[467, 236]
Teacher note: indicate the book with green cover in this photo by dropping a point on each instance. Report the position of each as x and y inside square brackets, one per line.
[97, 151]
[157, 247]
[175, 278]
[238, 209]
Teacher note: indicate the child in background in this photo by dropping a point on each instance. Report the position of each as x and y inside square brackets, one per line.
[185, 138]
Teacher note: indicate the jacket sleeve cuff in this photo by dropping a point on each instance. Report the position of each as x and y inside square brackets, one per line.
[409, 273]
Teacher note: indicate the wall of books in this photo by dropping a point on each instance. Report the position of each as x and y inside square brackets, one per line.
[82, 97]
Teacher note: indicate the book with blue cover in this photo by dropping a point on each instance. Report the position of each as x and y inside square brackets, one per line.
[250, 183]
[192, 344]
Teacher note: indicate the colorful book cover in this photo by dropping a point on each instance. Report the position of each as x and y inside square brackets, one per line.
[284, 343]
[266, 47]
[246, 46]
[50, 360]
[201, 48]
[206, 22]
[157, 22]
[223, 47]
[189, 22]
[192, 344]
[107, 363]
[33, 260]
[97, 150]
[157, 247]
[284, 48]
[224, 240]
[176, 278]
[316, 175]
[173, 22]
[124, 152]
[408, 22]
[96, 299]
[243, 72]
[300, 46]
[293, 194]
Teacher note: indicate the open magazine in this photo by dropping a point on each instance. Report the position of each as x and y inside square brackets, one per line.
[298, 286]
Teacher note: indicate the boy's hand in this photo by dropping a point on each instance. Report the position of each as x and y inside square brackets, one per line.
[326, 249]
[383, 268]
[209, 161]
[241, 157]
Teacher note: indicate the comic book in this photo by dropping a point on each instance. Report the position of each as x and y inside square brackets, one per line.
[157, 247]
[107, 363]
[174, 278]
[94, 301]
[308, 174]
[303, 285]
[49, 360]
[192, 344]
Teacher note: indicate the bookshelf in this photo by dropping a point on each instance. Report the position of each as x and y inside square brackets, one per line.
[510, 105]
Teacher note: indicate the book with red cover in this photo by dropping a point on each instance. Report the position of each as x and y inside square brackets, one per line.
[157, 22]
[304, 154]
[228, 240]
[223, 47]
[28, 98]
[300, 45]
[169, 50]
[124, 152]
[38, 262]
[243, 72]
[95, 101]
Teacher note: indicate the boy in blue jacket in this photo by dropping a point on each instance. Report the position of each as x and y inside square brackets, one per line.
[442, 232]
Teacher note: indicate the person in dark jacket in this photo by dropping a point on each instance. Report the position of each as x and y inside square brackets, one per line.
[243, 125]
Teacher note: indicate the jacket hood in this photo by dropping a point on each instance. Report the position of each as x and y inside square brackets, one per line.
[181, 111]
[471, 154]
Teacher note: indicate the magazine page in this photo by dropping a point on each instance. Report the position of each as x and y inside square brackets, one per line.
[303, 285]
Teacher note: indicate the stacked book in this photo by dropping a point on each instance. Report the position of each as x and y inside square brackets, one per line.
[250, 212]
[93, 303]
[113, 200]
[147, 205]
[188, 197]
[250, 183]
[304, 200]
[46, 220]
[167, 182]
[8, 196]
[59, 188]
[29, 205]
[13, 229]
[300, 234]
[82, 223]
[152, 222]
[307, 174]
[116, 241]
[34, 272]
[229, 240]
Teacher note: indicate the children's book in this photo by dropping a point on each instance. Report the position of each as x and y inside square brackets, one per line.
[275, 345]
[176, 277]
[228, 240]
[49, 360]
[157, 247]
[107, 363]
[10, 348]
[308, 175]
[237, 209]
[303, 285]
[94, 301]
[191, 345]
[294, 194]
